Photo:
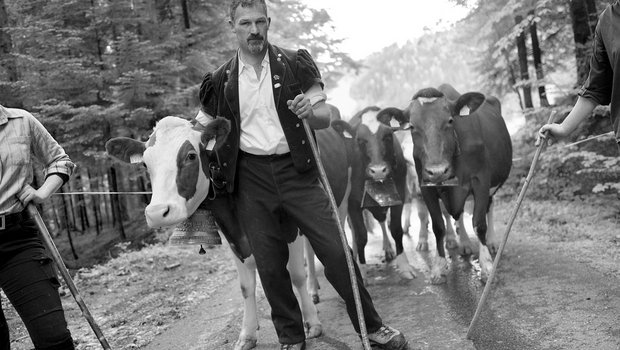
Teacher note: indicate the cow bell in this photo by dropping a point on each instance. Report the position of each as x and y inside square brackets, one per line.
[380, 194]
[200, 228]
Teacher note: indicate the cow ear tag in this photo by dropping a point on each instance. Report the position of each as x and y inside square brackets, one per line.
[347, 134]
[135, 158]
[210, 145]
[394, 123]
[464, 111]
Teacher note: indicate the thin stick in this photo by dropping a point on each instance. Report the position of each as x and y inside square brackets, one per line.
[487, 287]
[51, 247]
[343, 237]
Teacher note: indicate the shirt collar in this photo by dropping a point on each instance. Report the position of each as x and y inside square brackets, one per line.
[4, 115]
[243, 65]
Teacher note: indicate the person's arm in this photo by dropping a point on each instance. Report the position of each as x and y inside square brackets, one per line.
[312, 107]
[582, 109]
[51, 185]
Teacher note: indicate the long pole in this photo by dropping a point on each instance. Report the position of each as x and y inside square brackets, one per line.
[498, 256]
[51, 247]
[343, 237]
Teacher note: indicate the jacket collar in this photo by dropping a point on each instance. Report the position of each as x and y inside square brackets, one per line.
[278, 78]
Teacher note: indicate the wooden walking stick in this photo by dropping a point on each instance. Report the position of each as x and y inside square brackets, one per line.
[487, 287]
[343, 237]
[51, 247]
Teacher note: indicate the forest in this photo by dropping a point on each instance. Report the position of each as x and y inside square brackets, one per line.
[91, 70]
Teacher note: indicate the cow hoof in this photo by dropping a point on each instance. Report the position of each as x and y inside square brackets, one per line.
[422, 247]
[439, 270]
[465, 250]
[245, 344]
[452, 244]
[389, 255]
[315, 298]
[493, 249]
[441, 279]
[313, 331]
[402, 266]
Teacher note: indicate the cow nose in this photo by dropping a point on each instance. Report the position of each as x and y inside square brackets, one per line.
[437, 172]
[378, 172]
[157, 211]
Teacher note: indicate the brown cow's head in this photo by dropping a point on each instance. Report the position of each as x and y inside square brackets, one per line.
[375, 142]
[430, 118]
[175, 156]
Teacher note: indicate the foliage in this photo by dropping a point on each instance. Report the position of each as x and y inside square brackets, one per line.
[393, 75]
[95, 69]
[566, 170]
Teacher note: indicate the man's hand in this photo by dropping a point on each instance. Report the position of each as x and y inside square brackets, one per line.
[28, 194]
[301, 106]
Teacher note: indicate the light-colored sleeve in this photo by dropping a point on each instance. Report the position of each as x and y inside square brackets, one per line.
[203, 118]
[316, 94]
[47, 150]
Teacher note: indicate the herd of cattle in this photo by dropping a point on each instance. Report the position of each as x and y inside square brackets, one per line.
[441, 149]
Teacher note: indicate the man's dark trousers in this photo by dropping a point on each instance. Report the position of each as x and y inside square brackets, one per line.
[270, 192]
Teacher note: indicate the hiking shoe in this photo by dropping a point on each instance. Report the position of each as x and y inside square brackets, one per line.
[387, 338]
[298, 346]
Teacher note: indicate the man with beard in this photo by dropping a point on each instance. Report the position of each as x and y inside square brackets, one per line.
[268, 167]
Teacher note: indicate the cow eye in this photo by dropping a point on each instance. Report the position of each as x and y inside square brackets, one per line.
[192, 156]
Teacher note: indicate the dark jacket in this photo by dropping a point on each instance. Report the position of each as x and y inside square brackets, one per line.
[291, 73]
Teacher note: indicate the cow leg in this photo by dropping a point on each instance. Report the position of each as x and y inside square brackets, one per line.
[479, 221]
[360, 237]
[406, 216]
[247, 280]
[423, 217]
[451, 242]
[493, 238]
[465, 245]
[297, 272]
[387, 245]
[400, 263]
[313, 282]
[439, 263]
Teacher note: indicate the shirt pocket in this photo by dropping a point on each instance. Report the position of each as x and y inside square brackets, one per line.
[18, 150]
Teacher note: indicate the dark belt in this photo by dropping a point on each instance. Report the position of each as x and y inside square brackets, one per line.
[265, 157]
[8, 220]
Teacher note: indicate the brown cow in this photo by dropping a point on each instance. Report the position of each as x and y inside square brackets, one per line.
[375, 156]
[461, 139]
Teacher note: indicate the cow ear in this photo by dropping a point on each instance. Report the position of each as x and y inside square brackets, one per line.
[217, 130]
[393, 117]
[343, 128]
[125, 149]
[468, 103]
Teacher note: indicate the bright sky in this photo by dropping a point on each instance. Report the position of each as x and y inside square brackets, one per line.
[369, 28]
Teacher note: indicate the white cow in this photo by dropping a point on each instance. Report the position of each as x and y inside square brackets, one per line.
[174, 158]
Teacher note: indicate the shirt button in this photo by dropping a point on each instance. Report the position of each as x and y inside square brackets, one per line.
[297, 125]
[308, 161]
[224, 164]
[303, 142]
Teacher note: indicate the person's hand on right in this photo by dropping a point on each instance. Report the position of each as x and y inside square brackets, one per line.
[550, 132]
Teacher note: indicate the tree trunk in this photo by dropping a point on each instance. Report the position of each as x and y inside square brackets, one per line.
[185, 9]
[116, 207]
[537, 54]
[584, 17]
[66, 215]
[96, 202]
[525, 76]
[8, 62]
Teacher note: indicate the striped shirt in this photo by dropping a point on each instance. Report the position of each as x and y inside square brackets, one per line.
[22, 138]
